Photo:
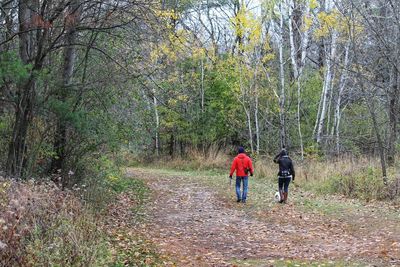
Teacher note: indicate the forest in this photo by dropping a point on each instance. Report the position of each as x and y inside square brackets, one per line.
[89, 88]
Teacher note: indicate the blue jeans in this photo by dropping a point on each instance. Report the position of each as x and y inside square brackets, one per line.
[239, 180]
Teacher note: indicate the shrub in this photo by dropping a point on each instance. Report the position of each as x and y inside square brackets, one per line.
[44, 226]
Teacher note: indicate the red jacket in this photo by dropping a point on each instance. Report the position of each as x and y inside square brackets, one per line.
[240, 163]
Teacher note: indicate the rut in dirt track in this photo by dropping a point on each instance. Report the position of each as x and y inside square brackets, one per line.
[197, 228]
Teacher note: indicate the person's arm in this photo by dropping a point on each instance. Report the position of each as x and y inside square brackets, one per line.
[251, 167]
[292, 171]
[233, 168]
[276, 159]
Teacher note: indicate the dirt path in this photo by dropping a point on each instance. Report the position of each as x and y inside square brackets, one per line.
[196, 227]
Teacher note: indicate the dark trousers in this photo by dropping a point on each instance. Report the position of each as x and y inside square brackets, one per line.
[283, 183]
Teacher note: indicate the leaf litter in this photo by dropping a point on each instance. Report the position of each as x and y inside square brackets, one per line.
[191, 224]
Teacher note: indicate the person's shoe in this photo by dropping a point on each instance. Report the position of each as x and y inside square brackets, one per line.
[285, 195]
[282, 197]
[244, 201]
[238, 200]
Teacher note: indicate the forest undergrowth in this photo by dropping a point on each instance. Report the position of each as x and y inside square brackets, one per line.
[90, 224]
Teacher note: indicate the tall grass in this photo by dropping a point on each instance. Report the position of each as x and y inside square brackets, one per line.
[352, 177]
[194, 160]
[44, 226]
[349, 176]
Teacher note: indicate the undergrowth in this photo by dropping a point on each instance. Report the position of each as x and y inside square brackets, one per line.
[44, 226]
[88, 225]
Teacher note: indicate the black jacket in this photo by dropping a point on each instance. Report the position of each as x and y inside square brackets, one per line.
[285, 165]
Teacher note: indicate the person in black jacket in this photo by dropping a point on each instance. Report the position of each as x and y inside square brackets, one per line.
[285, 175]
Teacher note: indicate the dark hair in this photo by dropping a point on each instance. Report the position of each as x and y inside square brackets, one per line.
[241, 149]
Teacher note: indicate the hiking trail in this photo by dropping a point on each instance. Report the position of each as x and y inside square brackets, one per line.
[194, 225]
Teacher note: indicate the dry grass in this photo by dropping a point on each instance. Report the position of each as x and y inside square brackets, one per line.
[195, 160]
[353, 177]
[349, 176]
[44, 226]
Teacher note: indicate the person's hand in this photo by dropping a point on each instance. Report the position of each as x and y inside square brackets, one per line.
[251, 174]
[230, 176]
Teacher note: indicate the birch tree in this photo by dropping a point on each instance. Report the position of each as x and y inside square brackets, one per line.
[301, 46]
[330, 52]
[282, 96]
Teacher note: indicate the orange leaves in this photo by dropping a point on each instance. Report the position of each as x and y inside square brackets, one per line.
[39, 22]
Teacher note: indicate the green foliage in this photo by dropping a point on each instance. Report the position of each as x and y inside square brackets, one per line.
[103, 180]
[310, 100]
[313, 152]
[5, 133]
[357, 122]
[76, 118]
[12, 68]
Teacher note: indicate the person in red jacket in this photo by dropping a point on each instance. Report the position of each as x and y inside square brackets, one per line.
[243, 166]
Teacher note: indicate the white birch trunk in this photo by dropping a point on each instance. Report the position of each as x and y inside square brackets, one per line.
[282, 82]
[330, 99]
[318, 113]
[157, 117]
[327, 86]
[342, 85]
[250, 129]
[202, 85]
[298, 67]
[256, 121]
[242, 100]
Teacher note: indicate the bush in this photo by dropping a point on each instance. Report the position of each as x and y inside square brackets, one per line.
[44, 226]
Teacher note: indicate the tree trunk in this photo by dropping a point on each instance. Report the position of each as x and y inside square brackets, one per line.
[394, 94]
[172, 146]
[157, 138]
[326, 87]
[379, 140]
[249, 129]
[202, 86]
[16, 159]
[60, 139]
[282, 97]
[256, 120]
[342, 86]
[393, 117]
[298, 48]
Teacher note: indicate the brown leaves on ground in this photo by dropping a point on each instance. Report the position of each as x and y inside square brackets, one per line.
[195, 226]
[130, 248]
